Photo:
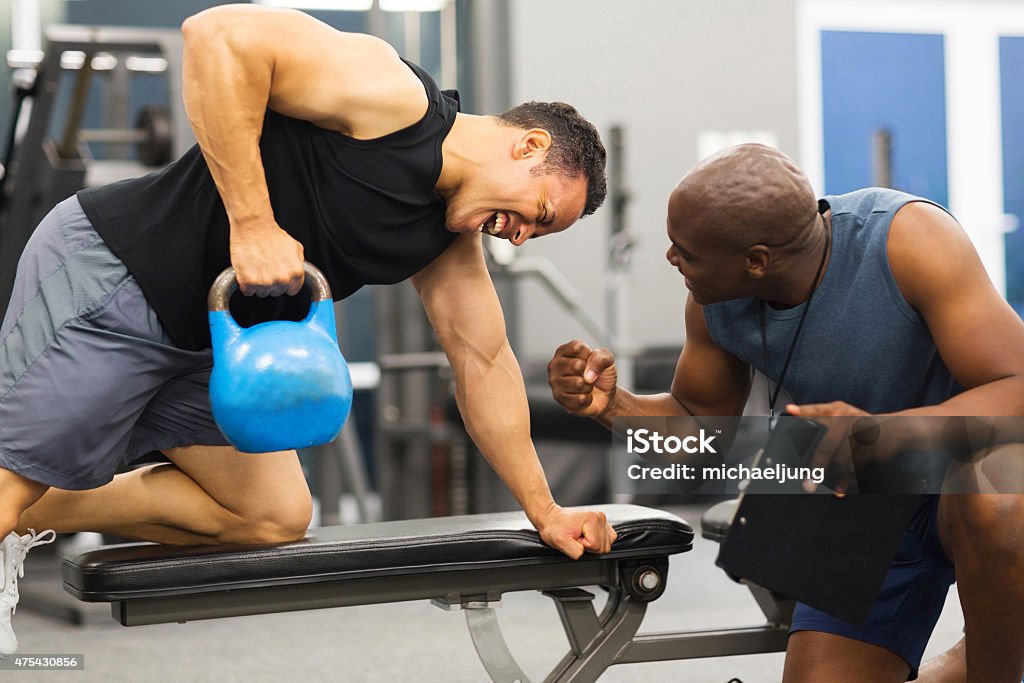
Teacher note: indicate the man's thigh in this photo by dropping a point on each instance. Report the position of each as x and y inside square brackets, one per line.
[902, 616]
[245, 483]
[812, 657]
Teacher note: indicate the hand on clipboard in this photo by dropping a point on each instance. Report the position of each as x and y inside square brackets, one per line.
[826, 449]
[827, 551]
[786, 460]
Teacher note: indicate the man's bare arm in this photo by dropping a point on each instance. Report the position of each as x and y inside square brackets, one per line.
[241, 59]
[463, 307]
[979, 337]
[708, 381]
[464, 310]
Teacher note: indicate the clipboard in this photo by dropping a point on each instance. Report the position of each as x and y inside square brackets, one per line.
[827, 552]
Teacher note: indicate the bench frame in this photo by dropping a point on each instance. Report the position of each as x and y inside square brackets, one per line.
[596, 640]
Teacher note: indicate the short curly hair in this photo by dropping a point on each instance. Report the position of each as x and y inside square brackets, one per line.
[576, 148]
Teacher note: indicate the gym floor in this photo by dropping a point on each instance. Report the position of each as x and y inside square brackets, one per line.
[412, 641]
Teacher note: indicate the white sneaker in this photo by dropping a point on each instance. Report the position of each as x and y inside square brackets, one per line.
[12, 565]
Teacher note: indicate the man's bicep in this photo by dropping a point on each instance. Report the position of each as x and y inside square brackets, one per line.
[978, 335]
[350, 82]
[708, 379]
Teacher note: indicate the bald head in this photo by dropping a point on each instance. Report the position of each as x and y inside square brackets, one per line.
[745, 195]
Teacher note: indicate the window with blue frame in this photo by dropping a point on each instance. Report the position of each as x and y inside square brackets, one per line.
[1011, 60]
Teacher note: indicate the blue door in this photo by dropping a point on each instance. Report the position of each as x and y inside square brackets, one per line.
[1011, 60]
[892, 82]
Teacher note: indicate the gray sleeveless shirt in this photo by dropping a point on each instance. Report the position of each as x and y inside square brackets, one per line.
[862, 343]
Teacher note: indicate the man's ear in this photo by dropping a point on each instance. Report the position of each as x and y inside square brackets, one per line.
[532, 143]
[757, 259]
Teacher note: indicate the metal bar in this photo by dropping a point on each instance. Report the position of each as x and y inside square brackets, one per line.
[389, 455]
[434, 433]
[564, 293]
[449, 46]
[28, 204]
[68, 147]
[20, 218]
[327, 473]
[412, 360]
[29, 59]
[349, 452]
[21, 93]
[618, 194]
[115, 135]
[622, 619]
[576, 610]
[24, 59]
[881, 157]
[414, 400]
[376, 25]
[412, 38]
[69, 38]
[491, 647]
[458, 481]
[26, 20]
[117, 97]
[776, 608]
[660, 647]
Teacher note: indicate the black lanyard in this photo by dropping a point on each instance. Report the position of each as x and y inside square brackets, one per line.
[762, 316]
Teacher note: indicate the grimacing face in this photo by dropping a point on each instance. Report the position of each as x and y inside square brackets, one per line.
[514, 197]
[532, 206]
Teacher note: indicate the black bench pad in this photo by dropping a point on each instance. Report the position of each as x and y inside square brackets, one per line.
[717, 520]
[444, 544]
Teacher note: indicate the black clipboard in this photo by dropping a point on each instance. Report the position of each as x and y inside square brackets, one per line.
[827, 552]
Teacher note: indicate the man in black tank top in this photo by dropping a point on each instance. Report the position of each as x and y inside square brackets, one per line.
[756, 251]
[312, 144]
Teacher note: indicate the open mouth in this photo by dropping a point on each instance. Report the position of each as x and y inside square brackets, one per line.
[495, 224]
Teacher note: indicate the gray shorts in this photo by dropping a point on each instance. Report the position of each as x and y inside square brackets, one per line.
[89, 380]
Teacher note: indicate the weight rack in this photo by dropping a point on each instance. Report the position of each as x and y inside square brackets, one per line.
[41, 170]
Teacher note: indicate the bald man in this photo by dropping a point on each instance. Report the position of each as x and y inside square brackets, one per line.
[865, 303]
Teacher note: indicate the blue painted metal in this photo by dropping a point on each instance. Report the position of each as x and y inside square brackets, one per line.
[279, 385]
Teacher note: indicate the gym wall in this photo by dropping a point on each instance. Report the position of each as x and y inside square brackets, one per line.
[666, 75]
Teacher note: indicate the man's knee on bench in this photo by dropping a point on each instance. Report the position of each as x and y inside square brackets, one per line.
[266, 521]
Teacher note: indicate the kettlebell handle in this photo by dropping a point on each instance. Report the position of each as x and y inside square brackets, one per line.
[226, 284]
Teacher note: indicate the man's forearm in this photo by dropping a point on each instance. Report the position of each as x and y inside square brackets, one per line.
[664, 414]
[492, 398]
[628, 404]
[1002, 397]
[999, 406]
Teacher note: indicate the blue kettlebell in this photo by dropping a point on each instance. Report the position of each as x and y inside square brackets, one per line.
[278, 385]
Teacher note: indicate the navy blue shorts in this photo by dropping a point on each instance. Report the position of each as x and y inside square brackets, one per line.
[913, 594]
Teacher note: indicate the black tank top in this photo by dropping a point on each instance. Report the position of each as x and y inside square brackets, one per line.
[364, 210]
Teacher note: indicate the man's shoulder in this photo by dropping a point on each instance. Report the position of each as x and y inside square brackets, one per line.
[869, 200]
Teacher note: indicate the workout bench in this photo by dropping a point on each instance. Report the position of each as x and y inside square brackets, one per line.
[465, 563]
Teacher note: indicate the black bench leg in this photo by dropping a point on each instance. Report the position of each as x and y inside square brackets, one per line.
[596, 642]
